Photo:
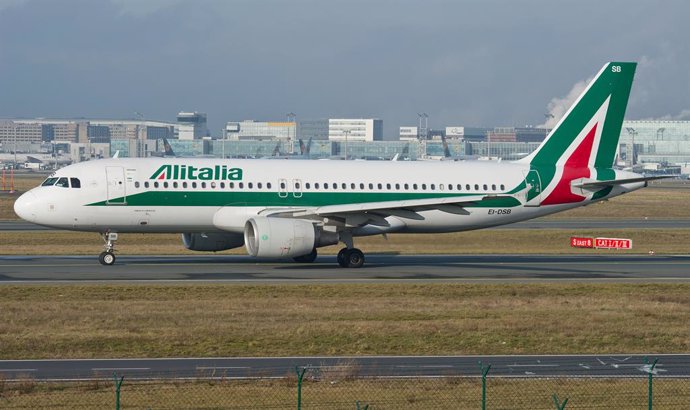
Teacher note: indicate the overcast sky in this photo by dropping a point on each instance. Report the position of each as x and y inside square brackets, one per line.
[474, 63]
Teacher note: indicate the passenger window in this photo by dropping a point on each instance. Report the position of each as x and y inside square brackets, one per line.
[503, 187]
[240, 185]
[193, 184]
[352, 186]
[433, 187]
[459, 187]
[165, 184]
[361, 186]
[493, 187]
[343, 186]
[222, 185]
[282, 185]
[146, 184]
[335, 186]
[258, 185]
[62, 183]
[325, 185]
[476, 187]
[414, 186]
[397, 186]
[485, 187]
[155, 184]
[388, 186]
[136, 184]
[371, 186]
[268, 185]
[251, 185]
[450, 187]
[316, 185]
[75, 182]
[306, 185]
[467, 187]
[175, 184]
[407, 187]
[380, 186]
[231, 185]
[296, 185]
[184, 184]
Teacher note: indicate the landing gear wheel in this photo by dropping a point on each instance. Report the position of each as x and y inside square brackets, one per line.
[308, 258]
[355, 258]
[342, 257]
[106, 258]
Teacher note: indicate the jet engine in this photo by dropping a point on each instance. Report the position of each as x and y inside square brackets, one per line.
[212, 242]
[284, 237]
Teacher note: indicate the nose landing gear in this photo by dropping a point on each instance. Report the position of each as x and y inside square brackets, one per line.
[107, 257]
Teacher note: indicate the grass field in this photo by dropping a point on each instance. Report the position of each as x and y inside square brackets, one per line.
[90, 321]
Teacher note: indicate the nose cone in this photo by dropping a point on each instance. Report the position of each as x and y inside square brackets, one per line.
[25, 206]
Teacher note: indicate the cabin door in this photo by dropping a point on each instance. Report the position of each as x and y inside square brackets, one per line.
[115, 177]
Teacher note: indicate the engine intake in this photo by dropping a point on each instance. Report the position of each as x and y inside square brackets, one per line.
[212, 242]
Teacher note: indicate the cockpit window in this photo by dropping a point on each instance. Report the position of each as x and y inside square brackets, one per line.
[49, 182]
[75, 182]
[62, 182]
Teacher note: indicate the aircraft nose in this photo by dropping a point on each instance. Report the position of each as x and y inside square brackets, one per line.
[25, 206]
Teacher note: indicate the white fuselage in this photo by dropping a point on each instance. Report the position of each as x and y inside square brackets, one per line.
[120, 195]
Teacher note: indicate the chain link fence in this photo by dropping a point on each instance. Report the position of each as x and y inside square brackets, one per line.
[342, 387]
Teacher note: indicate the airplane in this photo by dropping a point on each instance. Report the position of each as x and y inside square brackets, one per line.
[289, 209]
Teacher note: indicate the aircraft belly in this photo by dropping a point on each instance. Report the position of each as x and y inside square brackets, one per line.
[148, 219]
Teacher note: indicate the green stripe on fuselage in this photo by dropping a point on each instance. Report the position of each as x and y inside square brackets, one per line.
[272, 199]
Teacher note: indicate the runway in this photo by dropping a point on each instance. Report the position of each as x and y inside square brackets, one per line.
[379, 268]
[623, 223]
[381, 366]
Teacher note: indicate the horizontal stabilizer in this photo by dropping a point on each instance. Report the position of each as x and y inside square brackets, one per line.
[614, 182]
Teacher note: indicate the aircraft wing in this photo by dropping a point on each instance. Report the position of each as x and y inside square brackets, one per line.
[614, 182]
[374, 212]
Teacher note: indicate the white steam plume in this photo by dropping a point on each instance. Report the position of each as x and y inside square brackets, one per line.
[558, 106]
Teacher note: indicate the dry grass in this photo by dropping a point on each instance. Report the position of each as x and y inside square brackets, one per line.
[451, 393]
[83, 321]
[549, 241]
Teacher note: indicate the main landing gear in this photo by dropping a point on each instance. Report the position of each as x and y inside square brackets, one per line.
[350, 258]
[107, 257]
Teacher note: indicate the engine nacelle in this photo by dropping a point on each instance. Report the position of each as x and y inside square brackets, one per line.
[283, 237]
[212, 242]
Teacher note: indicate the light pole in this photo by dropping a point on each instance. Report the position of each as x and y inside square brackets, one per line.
[632, 133]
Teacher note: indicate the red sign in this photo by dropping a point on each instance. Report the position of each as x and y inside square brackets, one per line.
[612, 243]
[578, 242]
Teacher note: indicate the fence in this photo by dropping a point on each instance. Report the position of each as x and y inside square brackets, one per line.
[342, 387]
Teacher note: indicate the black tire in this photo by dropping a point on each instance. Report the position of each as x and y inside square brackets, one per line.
[106, 258]
[343, 257]
[355, 258]
[308, 258]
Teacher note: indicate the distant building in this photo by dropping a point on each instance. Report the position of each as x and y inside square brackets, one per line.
[314, 129]
[409, 133]
[355, 129]
[260, 130]
[192, 125]
[457, 132]
[655, 141]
